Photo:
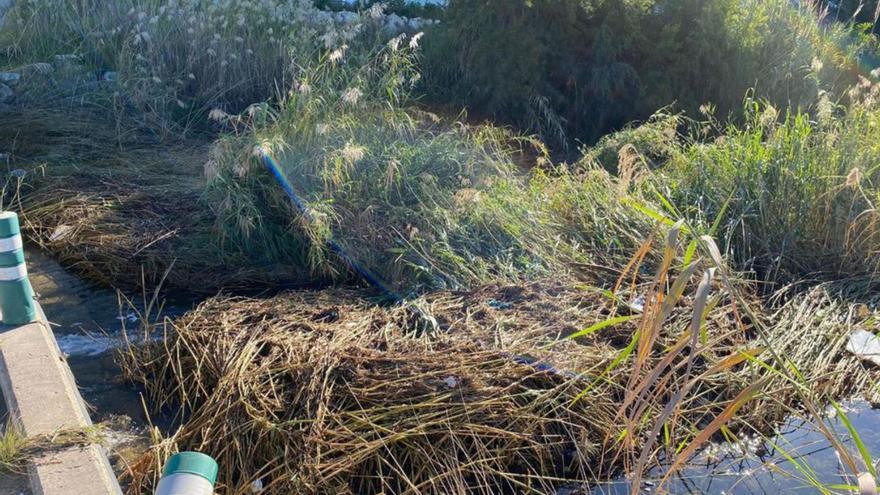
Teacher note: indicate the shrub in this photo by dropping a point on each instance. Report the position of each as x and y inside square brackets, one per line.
[573, 70]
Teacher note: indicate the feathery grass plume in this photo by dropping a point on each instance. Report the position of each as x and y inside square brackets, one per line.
[177, 60]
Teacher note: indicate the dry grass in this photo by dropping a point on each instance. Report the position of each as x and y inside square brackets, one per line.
[321, 392]
[326, 395]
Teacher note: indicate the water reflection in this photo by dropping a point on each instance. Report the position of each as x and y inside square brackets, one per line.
[758, 466]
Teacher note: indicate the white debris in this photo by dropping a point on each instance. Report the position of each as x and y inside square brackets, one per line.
[638, 303]
[130, 317]
[451, 381]
[865, 345]
[60, 232]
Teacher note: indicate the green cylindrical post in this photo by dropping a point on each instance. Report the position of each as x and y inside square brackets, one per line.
[188, 473]
[16, 294]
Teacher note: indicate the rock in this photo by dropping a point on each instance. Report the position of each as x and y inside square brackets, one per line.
[5, 5]
[6, 94]
[394, 23]
[10, 78]
[347, 17]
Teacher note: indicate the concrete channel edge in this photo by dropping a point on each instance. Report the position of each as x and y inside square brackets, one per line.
[42, 399]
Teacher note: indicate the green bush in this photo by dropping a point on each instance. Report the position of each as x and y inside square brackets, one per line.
[573, 70]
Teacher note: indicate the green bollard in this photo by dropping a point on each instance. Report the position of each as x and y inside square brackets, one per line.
[16, 294]
[188, 473]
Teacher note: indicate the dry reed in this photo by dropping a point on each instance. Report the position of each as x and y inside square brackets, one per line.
[322, 392]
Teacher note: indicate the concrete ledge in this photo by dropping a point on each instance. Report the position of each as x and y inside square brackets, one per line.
[42, 399]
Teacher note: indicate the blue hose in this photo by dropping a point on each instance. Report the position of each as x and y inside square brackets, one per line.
[334, 246]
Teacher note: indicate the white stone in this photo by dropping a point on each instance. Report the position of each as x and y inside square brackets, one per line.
[9, 78]
[394, 22]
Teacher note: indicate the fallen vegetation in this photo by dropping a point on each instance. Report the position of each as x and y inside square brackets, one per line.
[321, 392]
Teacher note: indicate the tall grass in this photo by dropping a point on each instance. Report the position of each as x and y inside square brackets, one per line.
[177, 59]
[421, 202]
[798, 195]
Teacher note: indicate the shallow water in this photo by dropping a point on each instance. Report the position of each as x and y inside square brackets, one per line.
[758, 466]
[87, 326]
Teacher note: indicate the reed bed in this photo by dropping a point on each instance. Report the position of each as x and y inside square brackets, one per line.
[795, 197]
